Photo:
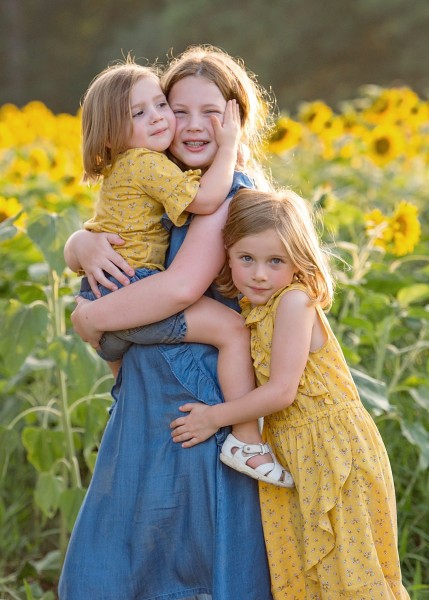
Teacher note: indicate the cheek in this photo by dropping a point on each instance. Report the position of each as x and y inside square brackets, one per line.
[236, 271]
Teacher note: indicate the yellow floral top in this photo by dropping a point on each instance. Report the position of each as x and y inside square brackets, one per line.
[335, 535]
[141, 186]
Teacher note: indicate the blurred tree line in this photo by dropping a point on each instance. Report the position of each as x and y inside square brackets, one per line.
[303, 49]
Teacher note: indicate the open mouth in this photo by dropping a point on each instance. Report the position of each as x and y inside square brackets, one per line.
[195, 144]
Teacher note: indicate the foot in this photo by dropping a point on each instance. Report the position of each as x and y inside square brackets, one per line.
[237, 454]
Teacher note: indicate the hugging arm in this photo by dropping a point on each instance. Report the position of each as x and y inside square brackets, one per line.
[154, 298]
[290, 348]
[93, 253]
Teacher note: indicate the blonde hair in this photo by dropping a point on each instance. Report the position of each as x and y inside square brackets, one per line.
[234, 82]
[253, 211]
[106, 115]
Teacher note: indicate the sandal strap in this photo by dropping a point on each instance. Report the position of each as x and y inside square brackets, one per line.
[256, 449]
[273, 469]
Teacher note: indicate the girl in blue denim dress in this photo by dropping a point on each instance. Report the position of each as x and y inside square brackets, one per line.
[160, 522]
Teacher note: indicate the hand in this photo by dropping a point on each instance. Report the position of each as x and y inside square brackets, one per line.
[83, 325]
[93, 252]
[228, 133]
[195, 427]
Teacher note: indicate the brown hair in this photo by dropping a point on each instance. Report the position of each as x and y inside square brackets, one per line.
[234, 82]
[253, 211]
[106, 114]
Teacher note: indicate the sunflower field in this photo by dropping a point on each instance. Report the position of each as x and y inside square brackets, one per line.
[365, 168]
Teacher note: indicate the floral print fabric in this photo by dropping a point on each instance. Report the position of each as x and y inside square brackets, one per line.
[335, 535]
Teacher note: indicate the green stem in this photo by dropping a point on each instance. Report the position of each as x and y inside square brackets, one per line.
[380, 350]
[59, 330]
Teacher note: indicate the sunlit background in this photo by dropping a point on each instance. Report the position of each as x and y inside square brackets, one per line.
[350, 133]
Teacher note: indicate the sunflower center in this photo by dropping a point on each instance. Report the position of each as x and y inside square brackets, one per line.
[382, 145]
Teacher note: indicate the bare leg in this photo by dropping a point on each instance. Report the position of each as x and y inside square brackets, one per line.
[115, 365]
[209, 322]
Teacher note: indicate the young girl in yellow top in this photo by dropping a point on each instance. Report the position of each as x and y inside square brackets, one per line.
[335, 535]
[127, 126]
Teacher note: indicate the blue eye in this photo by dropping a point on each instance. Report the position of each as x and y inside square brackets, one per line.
[277, 261]
[138, 114]
[246, 258]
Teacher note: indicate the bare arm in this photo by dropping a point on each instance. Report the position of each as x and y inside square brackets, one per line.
[216, 181]
[290, 348]
[154, 298]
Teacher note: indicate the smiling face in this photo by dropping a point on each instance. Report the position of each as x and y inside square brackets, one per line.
[193, 100]
[260, 266]
[153, 121]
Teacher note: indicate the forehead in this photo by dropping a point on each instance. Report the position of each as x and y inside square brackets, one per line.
[196, 91]
[266, 242]
[146, 86]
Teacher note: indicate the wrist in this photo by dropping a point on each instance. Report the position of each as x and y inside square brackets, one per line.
[215, 413]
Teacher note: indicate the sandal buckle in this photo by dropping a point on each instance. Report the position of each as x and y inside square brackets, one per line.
[255, 449]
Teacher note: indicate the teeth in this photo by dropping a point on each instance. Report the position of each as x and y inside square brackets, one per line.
[195, 144]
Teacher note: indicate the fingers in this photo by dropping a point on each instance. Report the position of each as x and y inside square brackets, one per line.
[114, 239]
[99, 277]
[232, 112]
[186, 439]
[94, 286]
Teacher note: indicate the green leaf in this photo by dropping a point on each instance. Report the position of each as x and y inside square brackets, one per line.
[421, 397]
[8, 229]
[70, 502]
[44, 447]
[372, 392]
[23, 326]
[50, 231]
[47, 493]
[78, 361]
[411, 294]
[417, 435]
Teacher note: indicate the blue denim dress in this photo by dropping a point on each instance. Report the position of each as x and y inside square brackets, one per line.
[160, 522]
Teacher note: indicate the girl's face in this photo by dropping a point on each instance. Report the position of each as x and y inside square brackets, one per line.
[193, 100]
[260, 266]
[153, 122]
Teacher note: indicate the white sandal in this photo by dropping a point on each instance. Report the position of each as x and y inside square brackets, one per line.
[269, 472]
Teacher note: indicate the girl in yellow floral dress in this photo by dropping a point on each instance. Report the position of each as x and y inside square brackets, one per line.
[335, 535]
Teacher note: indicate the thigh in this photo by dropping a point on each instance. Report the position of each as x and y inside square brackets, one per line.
[210, 322]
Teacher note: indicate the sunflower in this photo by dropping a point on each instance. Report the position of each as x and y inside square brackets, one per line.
[383, 107]
[377, 227]
[384, 144]
[315, 115]
[287, 134]
[405, 228]
[398, 234]
[10, 207]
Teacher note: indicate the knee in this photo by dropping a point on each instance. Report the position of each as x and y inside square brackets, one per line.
[237, 330]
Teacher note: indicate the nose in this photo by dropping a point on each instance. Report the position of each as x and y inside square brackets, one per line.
[193, 123]
[155, 116]
[259, 272]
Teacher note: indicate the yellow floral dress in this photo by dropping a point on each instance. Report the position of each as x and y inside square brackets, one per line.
[335, 535]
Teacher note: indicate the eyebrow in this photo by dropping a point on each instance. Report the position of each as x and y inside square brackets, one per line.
[144, 102]
[203, 106]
